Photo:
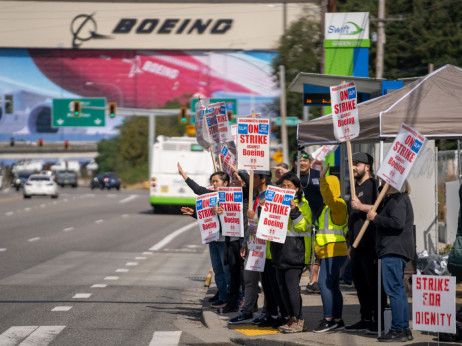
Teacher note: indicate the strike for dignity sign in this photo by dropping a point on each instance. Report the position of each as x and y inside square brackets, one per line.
[434, 303]
[344, 111]
[232, 223]
[253, 144]
[208, 220]
[401, 156]
[274, 216]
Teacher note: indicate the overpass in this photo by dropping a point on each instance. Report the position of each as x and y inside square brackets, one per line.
[49, 150]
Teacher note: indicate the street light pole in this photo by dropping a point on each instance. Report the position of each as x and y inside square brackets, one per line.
[119, 91]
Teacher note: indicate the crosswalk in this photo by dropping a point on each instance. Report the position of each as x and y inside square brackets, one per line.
[44, 335]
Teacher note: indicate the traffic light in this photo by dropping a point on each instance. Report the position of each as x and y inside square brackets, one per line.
[76, 109]
[112, 110]
[66, 145]
[183, 117]
[40, 142]
[9, 104]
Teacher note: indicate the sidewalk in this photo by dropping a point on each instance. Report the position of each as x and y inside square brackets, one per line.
[312, 311]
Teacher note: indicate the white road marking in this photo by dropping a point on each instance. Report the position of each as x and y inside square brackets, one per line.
[61, 308]
[27, 209]
[33, 239]
[43, 205]
[99, 286]
[111, 195]
[147, 253]
[99, 221]
[165, 338]
[131, 263]
[140, 258]
[172, 236]
[2, 249]
[9, 213]
[111, 278]
[125, 215]
[122, 270]
[30, 335]
[82, 296]
[68, 229]
[128, 199]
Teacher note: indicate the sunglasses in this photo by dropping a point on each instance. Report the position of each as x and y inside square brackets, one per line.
[304, 156]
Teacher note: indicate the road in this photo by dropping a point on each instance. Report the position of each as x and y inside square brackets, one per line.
[95, 268]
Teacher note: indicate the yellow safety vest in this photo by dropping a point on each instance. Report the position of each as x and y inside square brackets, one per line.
[306, 235]
[327, 231]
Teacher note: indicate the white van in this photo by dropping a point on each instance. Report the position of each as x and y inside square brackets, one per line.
[167, 187]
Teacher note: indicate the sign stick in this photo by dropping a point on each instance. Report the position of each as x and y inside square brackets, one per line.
[219, 161]
[350, 169]
[208, 135]
[374, 208]
[254, 115]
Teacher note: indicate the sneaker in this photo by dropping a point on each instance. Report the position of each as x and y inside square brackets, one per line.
[313, 288]
[325, 326]
[360, 326]
[286, 325]
[261, 318]
[269, 322]
[393, 336]
[214, 298]
[241, 318]
[346, 284]
[340, 326]
[374, 329]
[409, 334]
[279, 322]
[220, 303]
[296, 326]
[231, 307]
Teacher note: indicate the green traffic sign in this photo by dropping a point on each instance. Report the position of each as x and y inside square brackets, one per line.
[93, 111]
[290, 121]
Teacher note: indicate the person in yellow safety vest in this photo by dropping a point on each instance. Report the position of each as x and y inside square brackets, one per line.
[291, 257]
[331, 249]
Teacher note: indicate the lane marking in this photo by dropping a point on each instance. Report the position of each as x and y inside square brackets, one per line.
[42, 336]
[11, 199]
[128, 199]
[14, 335]
[122, 270]
[68, 229]
[172, 236]
[9, 213]
[82, 296]
[125, 215]
[131, 263]
[99, 286]
[27, 209]
[61, 308]
[166, 338]
[99, 221]
[33, 239]
[147, 253]
[140, 258]
[111, 278]
[2, 249]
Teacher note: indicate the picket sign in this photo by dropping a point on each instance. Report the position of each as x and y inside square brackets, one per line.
[209, 224]
[434, 303]
[232, 218]
[201, 128]
[321, 153]
[257, 251]
[397, 165]
[345, 119]
[228, 160]
[274, 217]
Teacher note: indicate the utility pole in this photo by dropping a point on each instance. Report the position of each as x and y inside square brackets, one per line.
[380, 40]
[284, 140]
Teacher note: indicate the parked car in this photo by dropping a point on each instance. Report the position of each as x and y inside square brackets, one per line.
[106, 179]
[20, 178]
[40, 185]
[66, 177]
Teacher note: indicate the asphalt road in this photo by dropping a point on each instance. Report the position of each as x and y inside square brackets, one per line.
[95, 268]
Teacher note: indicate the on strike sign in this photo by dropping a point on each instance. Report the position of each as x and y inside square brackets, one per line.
[402, 156]
[253, 144]
[232, 223]
[344, 111]
[434, 303]
[274, 216]
[208, 220]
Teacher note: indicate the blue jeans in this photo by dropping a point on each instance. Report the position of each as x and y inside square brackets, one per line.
[328, 281]
[392, 276]
[216, 249]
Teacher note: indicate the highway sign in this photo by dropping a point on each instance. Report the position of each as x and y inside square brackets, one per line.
[290, 121]
[92, 114]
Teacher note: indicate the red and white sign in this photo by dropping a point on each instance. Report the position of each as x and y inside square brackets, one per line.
[401, 156]
[253, 143]
[274, 217]
[210, 130]
[209, 223]
[321, 153]
[257, 251]
[434, 303]
[232, 218]
[228, 160]
[344, 111]
[199, 125]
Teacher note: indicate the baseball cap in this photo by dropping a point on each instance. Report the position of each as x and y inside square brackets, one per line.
[363, 158]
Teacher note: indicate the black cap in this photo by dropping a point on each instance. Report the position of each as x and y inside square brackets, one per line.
[363, 158]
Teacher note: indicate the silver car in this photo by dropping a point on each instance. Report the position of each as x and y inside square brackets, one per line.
[40, 185]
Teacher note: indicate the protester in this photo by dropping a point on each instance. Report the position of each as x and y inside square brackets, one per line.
[278, 172]
[395, 246]
[363, 258]
[216, 248]
[331, 250]
[290, 257]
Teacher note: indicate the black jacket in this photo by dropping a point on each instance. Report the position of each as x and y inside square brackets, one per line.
[394, 227]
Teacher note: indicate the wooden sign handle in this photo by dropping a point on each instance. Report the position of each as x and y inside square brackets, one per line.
[350, 169]
[374, 208]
